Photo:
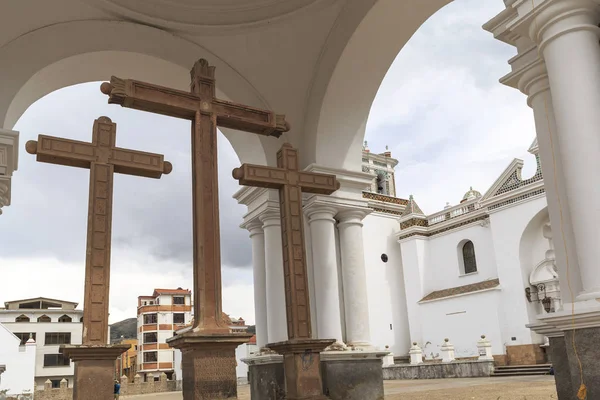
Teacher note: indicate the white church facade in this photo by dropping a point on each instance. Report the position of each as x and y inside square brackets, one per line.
[484, 266]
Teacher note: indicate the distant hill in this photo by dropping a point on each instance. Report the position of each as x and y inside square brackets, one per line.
[126, 328]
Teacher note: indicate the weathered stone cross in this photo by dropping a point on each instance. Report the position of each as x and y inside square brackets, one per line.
[94, 360]
[208, 350]
[300, 352]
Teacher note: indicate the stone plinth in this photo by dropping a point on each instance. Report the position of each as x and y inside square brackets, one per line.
[562, 371]
[267, 378]
[455, 369]
[353, 375]
[587, 347]
[208, 363]
[94, 369]
[302, 367]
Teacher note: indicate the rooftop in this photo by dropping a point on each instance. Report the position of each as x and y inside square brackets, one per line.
[40, 303]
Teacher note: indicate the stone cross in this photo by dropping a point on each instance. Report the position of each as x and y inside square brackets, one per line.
[94, 359]
[103, 159]
[301, 352]
[206, 112]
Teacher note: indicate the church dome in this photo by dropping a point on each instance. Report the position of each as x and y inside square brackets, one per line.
[471, 194]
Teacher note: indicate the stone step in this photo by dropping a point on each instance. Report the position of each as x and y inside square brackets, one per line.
[521, 370]
[524, 373]
[507, 367]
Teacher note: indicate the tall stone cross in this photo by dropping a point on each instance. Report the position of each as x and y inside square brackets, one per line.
[208, 350]
[94, 359]
[301, 352]
[206, 112]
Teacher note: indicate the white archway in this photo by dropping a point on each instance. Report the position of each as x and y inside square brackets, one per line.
[337, 111]
[95, 50]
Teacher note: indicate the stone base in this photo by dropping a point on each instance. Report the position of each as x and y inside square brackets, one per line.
[526, 354]
[562, 372]
[302, 367]
[267, 379]
[455, 369]
[94, 369]
[587, 343]
[208, 364]
[353, 375]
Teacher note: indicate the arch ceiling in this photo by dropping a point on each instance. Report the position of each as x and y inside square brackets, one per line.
[320, 62]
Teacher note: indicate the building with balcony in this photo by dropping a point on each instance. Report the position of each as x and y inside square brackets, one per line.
[159, 316]
[49, 323]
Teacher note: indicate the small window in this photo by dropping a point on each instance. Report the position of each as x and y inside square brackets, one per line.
[55, 383]
[44, 318]
[150, 356]
[179, 318]
[22, 318]
[381, 187]
[179, 300]
[24, 336]
[150, 337]
[150, 319]
[468, 256]
[65, 318]
[384, 258]
[56, 360]
[56, 338]
[81, 319]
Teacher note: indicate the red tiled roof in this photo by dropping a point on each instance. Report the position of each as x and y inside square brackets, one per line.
[474, 287]
[252, 340]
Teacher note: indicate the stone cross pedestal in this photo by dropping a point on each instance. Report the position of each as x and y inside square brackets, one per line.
[484, 347]
[447, 351]
[416, 354]
[301, 353]
[208, 349]
[94, 359]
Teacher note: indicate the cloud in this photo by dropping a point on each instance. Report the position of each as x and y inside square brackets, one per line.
[441, 109]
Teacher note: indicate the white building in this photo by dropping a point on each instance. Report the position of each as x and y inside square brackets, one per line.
[9, 158]
[482, 266]
[158, 317]
[17, 363]
[49, 323]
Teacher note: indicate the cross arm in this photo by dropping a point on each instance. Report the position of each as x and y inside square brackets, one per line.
[260, 176]
[139, 163]
[311, 182]
[249, 119]
[152, 98]
[61, 151]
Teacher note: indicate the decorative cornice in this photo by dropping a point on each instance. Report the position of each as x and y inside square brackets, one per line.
[423, 231]
[384, 198]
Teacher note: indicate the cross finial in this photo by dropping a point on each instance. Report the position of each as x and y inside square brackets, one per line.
[201, 68]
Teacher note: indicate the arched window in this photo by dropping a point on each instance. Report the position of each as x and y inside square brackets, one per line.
[381, 187]
[44, 318]
[22, 318]
[468, 255]
[65, 318]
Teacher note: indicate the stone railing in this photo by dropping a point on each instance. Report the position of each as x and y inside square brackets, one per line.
[453, 212]
[127, 388]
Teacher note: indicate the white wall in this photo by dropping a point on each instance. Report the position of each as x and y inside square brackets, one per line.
[385, 284]
[19, 361]
[414, 257]
[462, 319]
[508, 226]
[443, 262]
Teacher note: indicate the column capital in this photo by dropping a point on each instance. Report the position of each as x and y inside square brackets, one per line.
[317, 211]
[352, 217]
[547, 20]
[269, 217]
[255, 227]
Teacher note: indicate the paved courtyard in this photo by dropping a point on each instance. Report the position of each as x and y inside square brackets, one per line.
[505, 388]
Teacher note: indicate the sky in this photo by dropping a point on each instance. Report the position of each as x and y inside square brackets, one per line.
[440, 109]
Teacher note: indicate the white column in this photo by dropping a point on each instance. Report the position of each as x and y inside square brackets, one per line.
[276, 321]
[535, 84]
[327, 293]
[567, 34]
[356, 304]
[257, 236]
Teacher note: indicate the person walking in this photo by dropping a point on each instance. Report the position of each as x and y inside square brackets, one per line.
[117, 389]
